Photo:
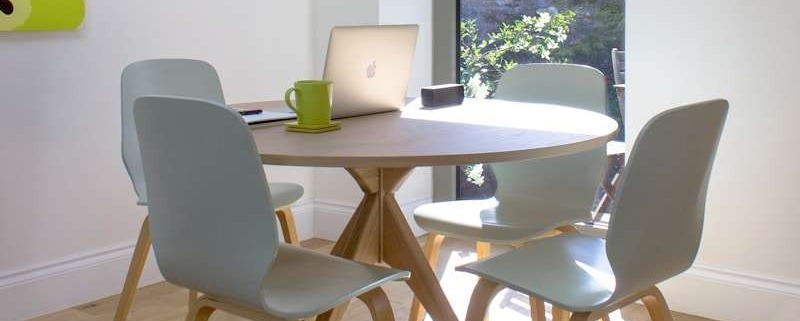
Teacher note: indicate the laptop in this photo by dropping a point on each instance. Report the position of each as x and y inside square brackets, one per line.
[370, 67]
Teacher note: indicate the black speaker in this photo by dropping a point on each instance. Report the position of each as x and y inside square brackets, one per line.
[442, 95]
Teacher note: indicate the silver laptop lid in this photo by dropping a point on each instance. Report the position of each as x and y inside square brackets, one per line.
[370, 67]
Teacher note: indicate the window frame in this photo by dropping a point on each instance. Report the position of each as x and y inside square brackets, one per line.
[445, 17]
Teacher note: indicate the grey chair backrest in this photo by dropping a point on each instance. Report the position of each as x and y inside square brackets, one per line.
[211, 218]
[618, 65]
[563, 84]
[177, 77]
[656, 226]
[560, 189]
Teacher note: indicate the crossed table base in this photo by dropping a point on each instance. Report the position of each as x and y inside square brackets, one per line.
[379, 232]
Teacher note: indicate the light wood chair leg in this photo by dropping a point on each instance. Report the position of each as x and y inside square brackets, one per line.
[537, 309]
[656, 305]
[192, 296]
[583, 316]
[202, 308]
[286, 218]
[481, 298]
[433, 243]
[484, 249]
[567, 229]
[378, 304]
[199, 311]
[560, 314]
[134, 272]
[606, 318]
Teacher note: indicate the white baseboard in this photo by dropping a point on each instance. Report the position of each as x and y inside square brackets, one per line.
[722, 294]
[331, 217]
[32, 292]
[37, 291]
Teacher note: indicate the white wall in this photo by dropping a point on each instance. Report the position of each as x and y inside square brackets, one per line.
[336, 194]
[413, 12]
[67, 209]
[328, 14]
[745, 51]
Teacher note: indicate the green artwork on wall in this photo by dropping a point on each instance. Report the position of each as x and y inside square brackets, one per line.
[21, 15]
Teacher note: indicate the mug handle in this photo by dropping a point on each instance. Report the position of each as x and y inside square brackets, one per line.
[287, 98]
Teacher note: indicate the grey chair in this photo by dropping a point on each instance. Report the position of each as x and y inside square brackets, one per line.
[211, 226]
[535, 198]
[654, 234]
[179, 77]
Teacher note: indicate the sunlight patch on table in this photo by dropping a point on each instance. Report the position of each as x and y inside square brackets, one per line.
[506, 114]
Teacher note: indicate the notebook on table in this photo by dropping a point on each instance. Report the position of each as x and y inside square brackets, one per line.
[259, 113]
[267, 116]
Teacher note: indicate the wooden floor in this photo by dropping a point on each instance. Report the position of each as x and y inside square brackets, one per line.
[166, 302]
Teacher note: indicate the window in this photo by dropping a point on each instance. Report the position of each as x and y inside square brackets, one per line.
[495, 35]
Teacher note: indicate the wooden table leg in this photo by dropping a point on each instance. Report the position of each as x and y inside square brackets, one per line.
[378, 231]
[360, 238]
[401, 251]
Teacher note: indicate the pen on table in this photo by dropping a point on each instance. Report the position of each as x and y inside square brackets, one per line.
[249, 112]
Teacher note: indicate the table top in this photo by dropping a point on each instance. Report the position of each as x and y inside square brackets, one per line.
[478, 131]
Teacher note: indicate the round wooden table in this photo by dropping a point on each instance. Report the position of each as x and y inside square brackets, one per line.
[381, 150]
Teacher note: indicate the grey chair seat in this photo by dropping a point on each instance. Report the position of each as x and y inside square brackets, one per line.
[488, 221]
[570, 270]
[284, 194]
[304, 283]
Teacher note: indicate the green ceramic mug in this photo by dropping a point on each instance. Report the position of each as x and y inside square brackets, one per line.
[313, 99]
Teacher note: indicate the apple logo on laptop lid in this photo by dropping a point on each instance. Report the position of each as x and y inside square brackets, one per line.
[371, 69]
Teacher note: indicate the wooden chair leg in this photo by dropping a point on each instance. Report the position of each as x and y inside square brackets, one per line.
[192, 296]
[606, 318]
[560, 314]
[567, 229]
[656, 305]
[481, 298]
[537, 309]
[202, 308]
[583, 316]
[378, 304]
[286, 218]
[198, 311]
[484, 249]
[134, 272]
[433, 244]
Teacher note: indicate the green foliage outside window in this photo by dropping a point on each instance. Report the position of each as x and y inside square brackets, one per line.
[498, 35]
[483, 61]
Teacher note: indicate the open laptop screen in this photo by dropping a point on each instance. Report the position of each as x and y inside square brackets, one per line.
[370, 67]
